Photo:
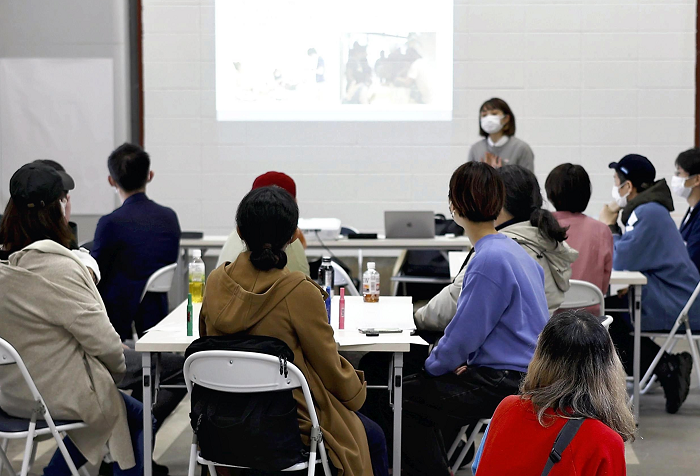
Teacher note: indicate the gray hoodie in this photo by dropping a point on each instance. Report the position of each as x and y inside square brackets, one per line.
[555, 258]
[555, 261]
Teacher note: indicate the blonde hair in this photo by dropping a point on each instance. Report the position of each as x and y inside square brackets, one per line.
[577, 373]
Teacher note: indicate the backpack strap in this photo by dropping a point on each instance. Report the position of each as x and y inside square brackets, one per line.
[567, 433]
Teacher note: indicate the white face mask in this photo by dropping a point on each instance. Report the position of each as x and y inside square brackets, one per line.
[64, 203]
[621, 201]
[492, 123]
[678, 186]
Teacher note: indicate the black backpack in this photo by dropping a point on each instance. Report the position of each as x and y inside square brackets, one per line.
[256, 430]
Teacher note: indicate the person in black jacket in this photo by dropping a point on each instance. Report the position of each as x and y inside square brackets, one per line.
[132, 243]
[686, 184]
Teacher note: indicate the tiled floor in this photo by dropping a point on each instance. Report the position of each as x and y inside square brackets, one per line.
[668, 444]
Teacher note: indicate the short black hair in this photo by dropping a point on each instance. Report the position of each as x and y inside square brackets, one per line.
[689, 161]
[129, 165]
[267, 219]
[477, 192]
[499, 104]
[568, 188]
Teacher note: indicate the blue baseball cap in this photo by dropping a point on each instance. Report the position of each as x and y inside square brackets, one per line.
[636, 168]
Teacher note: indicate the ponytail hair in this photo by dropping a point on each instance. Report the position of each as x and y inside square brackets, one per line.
[267, 219]
[524, 201]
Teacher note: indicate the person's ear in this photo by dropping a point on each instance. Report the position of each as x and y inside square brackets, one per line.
[150, 177]
[506, 119]
[111, 181]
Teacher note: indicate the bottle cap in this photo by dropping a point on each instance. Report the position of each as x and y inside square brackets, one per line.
[370, 265]
[326, 259]
[196, 253]
[342, 293]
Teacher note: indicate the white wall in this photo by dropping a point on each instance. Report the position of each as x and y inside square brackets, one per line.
[588, 82]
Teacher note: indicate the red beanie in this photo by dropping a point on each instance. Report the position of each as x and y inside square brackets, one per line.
[278, 179]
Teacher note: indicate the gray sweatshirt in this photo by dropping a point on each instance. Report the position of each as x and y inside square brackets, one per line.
[513, 152]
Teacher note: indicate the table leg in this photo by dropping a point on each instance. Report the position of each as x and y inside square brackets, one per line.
[147, 415]
[636, 305]
[398, 402]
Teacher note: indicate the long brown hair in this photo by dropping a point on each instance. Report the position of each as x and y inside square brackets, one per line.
[577, 373]
[23, 226]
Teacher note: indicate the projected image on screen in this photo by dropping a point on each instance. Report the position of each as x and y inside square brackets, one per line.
[313, 60]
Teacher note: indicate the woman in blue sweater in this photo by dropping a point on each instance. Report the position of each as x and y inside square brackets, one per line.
[489, 343]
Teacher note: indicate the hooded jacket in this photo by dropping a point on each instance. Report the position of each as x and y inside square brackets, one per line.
[555, 259]
[290, 306]
[53, 315]
[653, 246]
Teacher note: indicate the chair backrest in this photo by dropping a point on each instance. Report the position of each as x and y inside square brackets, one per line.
[607, 321]
[344, 280]
[691, 301]
[236, 371]
[582, 294]
[160, 281]
[9, 355]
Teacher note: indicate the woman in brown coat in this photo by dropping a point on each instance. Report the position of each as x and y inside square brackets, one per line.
[257, 294]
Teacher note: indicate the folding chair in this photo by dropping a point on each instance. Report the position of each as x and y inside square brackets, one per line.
[671, 341]
[343, 279]
[480, 425]
[249, 372]
[159, 282]
[581, 295]
[39, 424]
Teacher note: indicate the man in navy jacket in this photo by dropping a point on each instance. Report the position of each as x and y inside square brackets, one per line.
[686, 184]
[133, 242]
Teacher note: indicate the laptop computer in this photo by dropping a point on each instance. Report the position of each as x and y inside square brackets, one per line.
[409, 224]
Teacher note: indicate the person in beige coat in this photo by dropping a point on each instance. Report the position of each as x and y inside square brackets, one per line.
[53, 315]
[258, 295]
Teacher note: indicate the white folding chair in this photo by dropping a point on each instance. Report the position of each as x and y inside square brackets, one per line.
[160, 281]
[582, 294]
[481, 424]
[39, 424]
[343, 279]
[671, 340]
[249, 372]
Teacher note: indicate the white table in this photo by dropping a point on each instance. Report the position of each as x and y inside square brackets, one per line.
[170, 335]
[635, 280]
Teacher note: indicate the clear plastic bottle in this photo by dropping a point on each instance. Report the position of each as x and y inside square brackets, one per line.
[197, 272]
[326, 274]
[370, 284]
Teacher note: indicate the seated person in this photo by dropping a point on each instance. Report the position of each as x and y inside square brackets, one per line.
[535, 229]
[296, 257]
[258, 294]
[575, 373]
[68, 185]
[569, 190]
[133, 242]
[490, 341]
[686, 184]
[53, 316]
[652, 245]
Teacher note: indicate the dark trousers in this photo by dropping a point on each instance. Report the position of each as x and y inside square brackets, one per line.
[134, 414]
[377, 446]
[622, 334]
[448, 401]
[170, 373]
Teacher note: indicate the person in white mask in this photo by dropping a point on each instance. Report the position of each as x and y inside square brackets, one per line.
[652, 245]
[686, 184]
[499, 145]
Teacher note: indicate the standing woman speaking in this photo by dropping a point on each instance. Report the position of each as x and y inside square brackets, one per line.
[499, 145]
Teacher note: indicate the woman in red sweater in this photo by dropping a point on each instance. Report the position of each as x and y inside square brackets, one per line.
[575, 373]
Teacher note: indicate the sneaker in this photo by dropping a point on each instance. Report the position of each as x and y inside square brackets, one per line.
[674, 374]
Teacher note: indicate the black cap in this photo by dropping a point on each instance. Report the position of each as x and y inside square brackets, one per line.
[68, 182]
[36, 185]
[635, 168]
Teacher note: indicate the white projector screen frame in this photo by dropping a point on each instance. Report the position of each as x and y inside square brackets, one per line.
[265, 70]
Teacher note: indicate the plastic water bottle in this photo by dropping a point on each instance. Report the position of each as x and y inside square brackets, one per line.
[370, 284]
[197, 271]
[326, 274]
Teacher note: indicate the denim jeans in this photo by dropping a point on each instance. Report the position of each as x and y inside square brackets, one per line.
[134, 414]
[377, 446]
